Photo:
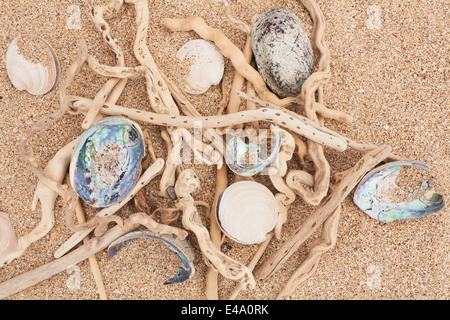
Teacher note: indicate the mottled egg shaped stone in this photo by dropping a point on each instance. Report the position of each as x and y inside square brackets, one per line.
[106, 161]
[282, 51]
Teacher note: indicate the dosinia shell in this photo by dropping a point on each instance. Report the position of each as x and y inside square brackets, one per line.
[106, 162]
[246, 211]
[203, 64]
[8, 240]
[282, 51]
[370, 195]
[181, 247]
[32, 64]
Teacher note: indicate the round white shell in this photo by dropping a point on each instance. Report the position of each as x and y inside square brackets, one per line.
[8, 240]
[246, 211]
[38, 76]
[203, 63]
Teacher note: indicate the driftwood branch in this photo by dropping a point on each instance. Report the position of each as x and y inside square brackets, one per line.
[317, 218]
[91, 247]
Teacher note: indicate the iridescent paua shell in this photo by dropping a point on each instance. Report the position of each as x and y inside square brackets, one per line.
[282, 51]
[106, 161]
[257, 156]
[382, 181]
[181, 247]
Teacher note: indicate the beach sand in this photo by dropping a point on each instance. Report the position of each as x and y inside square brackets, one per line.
[390, 71]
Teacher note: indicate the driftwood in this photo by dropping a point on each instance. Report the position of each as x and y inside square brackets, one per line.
[168, 104]
[317, 218]
[187, 184]
[326, 241]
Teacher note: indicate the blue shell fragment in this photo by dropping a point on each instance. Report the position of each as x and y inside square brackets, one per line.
[237, 151]
[181, 247]
[106, 162]
[426, 201]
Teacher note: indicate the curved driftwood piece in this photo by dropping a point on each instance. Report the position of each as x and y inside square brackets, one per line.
[188, 183]
[94, 245]
[286, 195]
[326, 241]
[68, 195]
[55, 170]
[154, 170]
[317, 218]
[312, 86]
[103, 27]
[159, 94]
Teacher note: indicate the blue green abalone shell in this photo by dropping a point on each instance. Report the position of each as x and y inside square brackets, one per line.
[366, 195]
[106, 162]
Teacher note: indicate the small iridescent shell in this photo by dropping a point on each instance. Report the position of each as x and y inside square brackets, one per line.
[282, 50]
[246, 212]
[375, 194]
[32, 64]
[106, 161]
[249, 159]
[203, 63]
[8, 240]
[181, 247]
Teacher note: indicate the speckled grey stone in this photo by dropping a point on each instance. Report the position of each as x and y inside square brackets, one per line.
[282, 51]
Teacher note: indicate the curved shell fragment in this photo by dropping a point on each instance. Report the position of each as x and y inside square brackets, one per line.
[181, 247]
[249, 159]
[375, 194]
[32, 65]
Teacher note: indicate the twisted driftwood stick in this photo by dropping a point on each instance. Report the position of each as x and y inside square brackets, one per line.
[312, 85]
[93, 246]
[52, 177]
[159, 94]
[326, 241]
[103, 27]
[329, 204]
[56, 170]
[188, 183]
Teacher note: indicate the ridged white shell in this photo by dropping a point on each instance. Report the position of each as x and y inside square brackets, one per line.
[8, 240]
[246, 211]
[38, 71]
[203, 63]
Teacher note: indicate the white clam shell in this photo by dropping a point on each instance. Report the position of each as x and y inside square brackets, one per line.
[38, 71]
[204, 65]
[246, 212]
[8, 240]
